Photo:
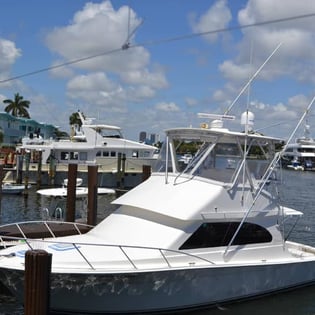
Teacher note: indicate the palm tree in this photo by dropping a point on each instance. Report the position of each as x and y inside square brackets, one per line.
[74, 119]
[1, 135]
[17, 107]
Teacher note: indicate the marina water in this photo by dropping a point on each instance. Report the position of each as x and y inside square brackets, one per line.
[297, 191]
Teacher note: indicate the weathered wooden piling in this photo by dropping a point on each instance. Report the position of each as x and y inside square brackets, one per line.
[19, 168]
[37, 282]
[27, 169]
[52, 170]
[146, 172]
[121, 168]
[71, 192]
[118, 184]
[39, 169]
[1, 181]
[92, 195]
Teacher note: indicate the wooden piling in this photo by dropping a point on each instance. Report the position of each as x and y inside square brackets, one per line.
[118, 184]
[123, 170]
[71, 192]
[52, 170]
[27, 169]
[146, 172]
[19, 168]
[39, 169]
[1, 181]
[92, 195]
[37, 282]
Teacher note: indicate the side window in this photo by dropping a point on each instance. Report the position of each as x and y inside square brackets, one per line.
[220, 234]
[74, 155]
[83, 156]
[64, 155]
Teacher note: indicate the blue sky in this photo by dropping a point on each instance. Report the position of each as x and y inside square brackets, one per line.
[164, 79]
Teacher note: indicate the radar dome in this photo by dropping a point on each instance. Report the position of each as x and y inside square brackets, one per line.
[247, 119]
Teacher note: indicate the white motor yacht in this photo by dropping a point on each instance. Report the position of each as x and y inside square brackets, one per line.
[88, 144]
[190, 236]
[300, 155]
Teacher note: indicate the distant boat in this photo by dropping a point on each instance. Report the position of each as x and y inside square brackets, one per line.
[295, 165]
[185, 158]
[88, 144]
[300, 155]
[80, 191]
[55, 211]
[12, 189]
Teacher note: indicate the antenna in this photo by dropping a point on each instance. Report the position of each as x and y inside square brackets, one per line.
[215, 116]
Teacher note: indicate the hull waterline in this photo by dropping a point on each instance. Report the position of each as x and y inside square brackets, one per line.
[167, 290]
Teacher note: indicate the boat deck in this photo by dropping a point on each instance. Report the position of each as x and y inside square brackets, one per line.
[41, 229]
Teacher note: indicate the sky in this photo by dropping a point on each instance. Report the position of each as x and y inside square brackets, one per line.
[150, 65]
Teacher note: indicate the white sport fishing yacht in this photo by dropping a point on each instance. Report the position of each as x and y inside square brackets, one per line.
[208, 233]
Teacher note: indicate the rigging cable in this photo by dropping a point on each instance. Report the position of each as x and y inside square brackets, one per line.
[127, 45]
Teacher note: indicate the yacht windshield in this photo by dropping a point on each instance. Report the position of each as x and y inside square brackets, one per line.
[222, 158]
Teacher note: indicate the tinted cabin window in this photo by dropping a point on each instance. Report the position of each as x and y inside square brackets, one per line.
[220, 234]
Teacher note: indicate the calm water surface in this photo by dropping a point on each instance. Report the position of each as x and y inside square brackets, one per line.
[297, 192]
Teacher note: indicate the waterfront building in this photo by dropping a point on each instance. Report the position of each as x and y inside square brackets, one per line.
[143, 137]
[15, 128]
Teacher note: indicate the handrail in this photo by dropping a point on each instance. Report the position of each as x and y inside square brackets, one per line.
[78, 246]
[49, 229]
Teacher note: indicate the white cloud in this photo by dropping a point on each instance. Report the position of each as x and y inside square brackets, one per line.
[167, 107]
[299, 101]
[235, 72]
[217, 17]
[8, 54]
[143, 76]
[294, 60]
[112, 77]
[96, 90]
[60, 71]
[98, 31]
[298, 50]
[191, 101]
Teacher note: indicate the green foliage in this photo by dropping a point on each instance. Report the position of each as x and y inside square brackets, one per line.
[74, 119]
[61, 134]
[187, 147]
[18, 107]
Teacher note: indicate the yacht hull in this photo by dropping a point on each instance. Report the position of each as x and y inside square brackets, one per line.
[165, 290]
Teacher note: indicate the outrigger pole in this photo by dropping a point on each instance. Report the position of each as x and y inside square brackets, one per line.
[268, 172]
[251, 79]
